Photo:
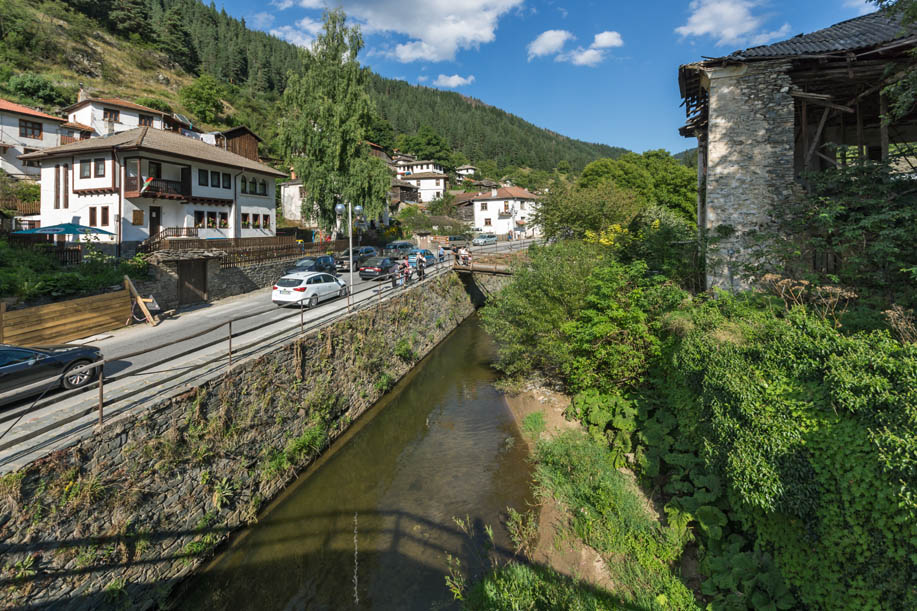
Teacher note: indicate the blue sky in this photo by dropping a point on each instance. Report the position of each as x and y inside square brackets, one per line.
[597, 70]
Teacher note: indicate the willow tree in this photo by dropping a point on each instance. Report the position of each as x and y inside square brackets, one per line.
[326, 110]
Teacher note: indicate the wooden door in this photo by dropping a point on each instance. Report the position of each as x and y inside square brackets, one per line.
[155, 220]
[192, 281]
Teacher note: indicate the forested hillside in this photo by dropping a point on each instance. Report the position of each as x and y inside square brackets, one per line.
[154, 48]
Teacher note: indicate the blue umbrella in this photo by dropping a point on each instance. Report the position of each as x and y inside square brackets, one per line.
[63, 229]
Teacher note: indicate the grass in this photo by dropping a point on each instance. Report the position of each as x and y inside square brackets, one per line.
[533, 425]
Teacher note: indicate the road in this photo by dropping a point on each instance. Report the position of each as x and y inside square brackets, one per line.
[166, 364]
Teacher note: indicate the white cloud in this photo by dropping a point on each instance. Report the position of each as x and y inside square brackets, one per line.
[301, 34]
[730, 22]
[423, 79]
[548, 43]
[453, 81]
[262, 20]
[436, 29]
[582, 57]
[607, 39]
[860, 6]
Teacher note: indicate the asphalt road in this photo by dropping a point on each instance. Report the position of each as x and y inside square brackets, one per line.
[167, 364]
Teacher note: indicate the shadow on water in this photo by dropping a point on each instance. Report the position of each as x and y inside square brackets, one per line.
[443, 445]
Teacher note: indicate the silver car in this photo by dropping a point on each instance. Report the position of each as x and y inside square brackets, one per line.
[307, 288]
[484, 239]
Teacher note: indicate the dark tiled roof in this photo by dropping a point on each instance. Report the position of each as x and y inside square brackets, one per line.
[157, 141]
[858, 33]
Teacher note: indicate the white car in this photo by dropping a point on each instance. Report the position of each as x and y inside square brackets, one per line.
[307, 288]
[484, 239]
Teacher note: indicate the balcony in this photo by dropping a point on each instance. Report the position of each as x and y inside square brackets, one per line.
[160, 188]
[506, 212]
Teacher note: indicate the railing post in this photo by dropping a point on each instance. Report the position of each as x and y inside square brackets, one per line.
[101, 399]
[230, 344]
[301, 317]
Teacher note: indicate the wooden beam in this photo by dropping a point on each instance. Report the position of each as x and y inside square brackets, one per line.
[822, 99]
[861, 154]
[826, 158]
[883, 125]
[817, 140]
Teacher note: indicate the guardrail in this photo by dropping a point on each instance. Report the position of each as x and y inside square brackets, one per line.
[304, 327]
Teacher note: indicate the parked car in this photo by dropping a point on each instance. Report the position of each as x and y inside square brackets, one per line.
[322, 263]
[484, 239]
[20, 367]
[308, 288]
[378, 267]
[359, 255]
[398, 250]
[457, 241]
[426, 254]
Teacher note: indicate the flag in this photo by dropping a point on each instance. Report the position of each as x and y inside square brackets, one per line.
[146, 184]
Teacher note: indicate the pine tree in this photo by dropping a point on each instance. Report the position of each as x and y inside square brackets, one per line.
[325, 112]
[129, 16]
[175, 40]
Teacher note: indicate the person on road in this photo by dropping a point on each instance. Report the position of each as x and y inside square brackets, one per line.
[406, 272]
[441, 254]
[421, 265]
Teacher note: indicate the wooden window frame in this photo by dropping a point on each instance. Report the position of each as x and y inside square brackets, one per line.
[28, 129]
[200, 219]
[85, 168]
[111, 114]
[65, 181]
[246, 222]
[483, 206]
[262, 187]
[223, 220]
[146, 120]
[265, 221]
[57, 187]
[488, 222]
[96, 164]
[212, 215]
[137, 218]
[104, 216]
[93, 217]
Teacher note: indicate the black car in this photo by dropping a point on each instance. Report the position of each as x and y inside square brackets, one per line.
[377, 267]
[399, 250]
[360, 255]
[321, 263]
[21, 367]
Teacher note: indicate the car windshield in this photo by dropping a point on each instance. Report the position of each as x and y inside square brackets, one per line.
[374, 262]
[305, 262]
[288, 283]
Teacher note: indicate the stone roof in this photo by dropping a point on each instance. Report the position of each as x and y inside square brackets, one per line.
[7, 106]
[859, 33]
[157, 141]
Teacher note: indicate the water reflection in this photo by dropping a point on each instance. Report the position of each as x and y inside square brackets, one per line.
[444, 445]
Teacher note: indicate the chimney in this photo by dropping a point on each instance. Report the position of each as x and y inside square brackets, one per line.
[493, 192]
[82, 95]
[292, 173]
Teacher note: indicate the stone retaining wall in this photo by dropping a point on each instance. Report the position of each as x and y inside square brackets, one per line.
[121, 517]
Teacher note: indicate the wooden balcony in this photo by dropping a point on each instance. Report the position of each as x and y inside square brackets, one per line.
[160, 188]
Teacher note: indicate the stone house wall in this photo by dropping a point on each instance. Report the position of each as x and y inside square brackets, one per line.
[750, 160]
[119, 518]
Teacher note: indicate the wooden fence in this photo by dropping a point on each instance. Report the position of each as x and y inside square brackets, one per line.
[64, 321]
[225, 243]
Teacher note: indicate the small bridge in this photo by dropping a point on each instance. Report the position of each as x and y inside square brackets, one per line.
[501, 264]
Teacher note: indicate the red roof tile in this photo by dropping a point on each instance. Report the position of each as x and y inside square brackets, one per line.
[115, 102]
[25, 110]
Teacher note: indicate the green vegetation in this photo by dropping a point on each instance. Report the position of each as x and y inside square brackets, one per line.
[533, 425]
[28, 273]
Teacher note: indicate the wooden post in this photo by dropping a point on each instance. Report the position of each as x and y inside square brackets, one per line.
[135, 297]
[818, 134]
[804, 115]
[883, 125]
[230, 344]
[101, 401]
[860, 138]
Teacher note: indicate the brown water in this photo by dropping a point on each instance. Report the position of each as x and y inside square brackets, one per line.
[369, 526]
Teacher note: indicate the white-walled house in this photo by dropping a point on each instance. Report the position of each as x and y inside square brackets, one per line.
[409, 167]
[107, 116]
[147, 182]
[504, 211]
[466, 170]
[430, 185]
[26, 130]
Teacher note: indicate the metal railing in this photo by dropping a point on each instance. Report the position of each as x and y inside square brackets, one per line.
[159, 186]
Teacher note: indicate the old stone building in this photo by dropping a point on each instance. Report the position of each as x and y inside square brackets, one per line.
[765, 116]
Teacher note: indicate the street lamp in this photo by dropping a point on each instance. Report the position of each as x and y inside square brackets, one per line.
[339, 209]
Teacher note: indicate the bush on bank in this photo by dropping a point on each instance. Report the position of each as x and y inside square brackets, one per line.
[790, 446]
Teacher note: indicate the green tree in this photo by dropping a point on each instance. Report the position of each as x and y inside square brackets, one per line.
[155, 103]
[428, 144]
[564, 167]
[203, 98]
[129, 16]
[322, 133]
[379, 131]
[625, 173]
[570, 212]
[175, 39]
[903, 93]
[674, 184]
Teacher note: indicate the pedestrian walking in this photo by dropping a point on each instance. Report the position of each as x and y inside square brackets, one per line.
[421, 265]
[442, 254]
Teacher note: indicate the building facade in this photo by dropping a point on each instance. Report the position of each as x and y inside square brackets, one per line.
[146, 182]
[505, 212]
[26, 130]
[107, 116]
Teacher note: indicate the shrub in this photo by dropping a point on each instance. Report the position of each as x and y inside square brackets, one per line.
[154, 103]
[37, 87]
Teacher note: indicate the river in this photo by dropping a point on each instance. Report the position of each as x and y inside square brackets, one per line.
[369, 525]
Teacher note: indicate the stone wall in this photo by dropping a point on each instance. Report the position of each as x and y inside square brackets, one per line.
[118, 519]
[750, 169]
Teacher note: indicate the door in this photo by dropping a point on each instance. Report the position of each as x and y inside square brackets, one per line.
[155, 220]
[329, 285]
[192, 281]
[20, 367]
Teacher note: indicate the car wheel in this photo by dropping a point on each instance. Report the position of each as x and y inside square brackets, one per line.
[76, 380]
[313, 301]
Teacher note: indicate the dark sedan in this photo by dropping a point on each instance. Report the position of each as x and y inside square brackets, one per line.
[323, 263]
[377, 267]
[359, 255]
[21, 367]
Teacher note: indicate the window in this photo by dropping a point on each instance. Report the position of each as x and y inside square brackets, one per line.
[12, 356]
[56, 187]
[227, 181]
[245, 223]
[30, 163]
[202, 177]
[266, 221]
[483, 206]
[30, 129]
[262, 188]
[137, 218]
[522, 205]
[211, 220]
[224, 220]
[92, 217]
[256, 221]
[146, 120]
[438, 182]
[198, 218]
[505, 206]
[244, 185]
[85, 168]
[104, 210]
[110, 114]
[215, 179]
[155, 169]
[418, 183]
[99, 168]
[487, 222]
[66, 188]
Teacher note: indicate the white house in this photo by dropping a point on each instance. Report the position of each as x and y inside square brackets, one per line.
[26, 130]
[466, 170]
[430, 185]
[504, 211]
[407, 168]
[147, 182]
[107, 116]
